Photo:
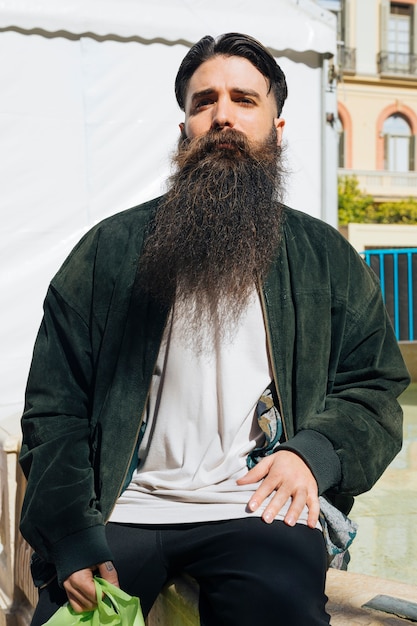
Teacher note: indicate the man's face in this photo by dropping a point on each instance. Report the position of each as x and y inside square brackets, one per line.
[230, 93]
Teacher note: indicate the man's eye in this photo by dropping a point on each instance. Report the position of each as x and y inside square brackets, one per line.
[247, 101]
[202, 103]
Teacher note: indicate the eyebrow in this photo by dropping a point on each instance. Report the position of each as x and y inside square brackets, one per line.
[201, 94]
[237, 90]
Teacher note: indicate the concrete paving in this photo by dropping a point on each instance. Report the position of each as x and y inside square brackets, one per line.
[386, 543]
[384, 553]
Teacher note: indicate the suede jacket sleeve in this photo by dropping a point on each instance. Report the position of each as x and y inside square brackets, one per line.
[338, 365]
[86, 390]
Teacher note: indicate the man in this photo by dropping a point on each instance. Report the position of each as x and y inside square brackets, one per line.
[184, 342]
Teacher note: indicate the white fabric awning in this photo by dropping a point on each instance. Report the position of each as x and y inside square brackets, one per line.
[88, 119]
[298, 25]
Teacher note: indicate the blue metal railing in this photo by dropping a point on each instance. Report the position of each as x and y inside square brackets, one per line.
[397, 271]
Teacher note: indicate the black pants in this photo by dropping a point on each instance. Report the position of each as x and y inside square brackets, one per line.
[249, 572]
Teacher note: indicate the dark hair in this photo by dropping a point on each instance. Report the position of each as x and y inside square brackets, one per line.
[231, 44]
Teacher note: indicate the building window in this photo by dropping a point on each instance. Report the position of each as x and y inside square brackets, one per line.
[346, 56]
[399, 37]
[397, 55]
[398, 144]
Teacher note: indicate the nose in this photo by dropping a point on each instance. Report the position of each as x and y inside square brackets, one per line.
[222, 115]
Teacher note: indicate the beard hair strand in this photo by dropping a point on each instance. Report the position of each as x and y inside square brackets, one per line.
[216, 231]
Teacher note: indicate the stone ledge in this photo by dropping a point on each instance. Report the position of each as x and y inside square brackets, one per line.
[409, 353]
[347, 592]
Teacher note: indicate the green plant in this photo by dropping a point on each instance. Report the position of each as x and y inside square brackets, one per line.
[402, 212]
[355, 206]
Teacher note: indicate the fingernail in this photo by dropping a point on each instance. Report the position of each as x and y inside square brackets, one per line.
[290, 521]
[268, 517]
[253, 505]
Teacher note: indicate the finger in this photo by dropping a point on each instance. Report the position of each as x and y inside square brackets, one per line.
[81, 590]
[256, 474]
[84, 595]
[296, 508]
[283, 493]
[265, 489]
[313, 511]
[79, 601]
[80, 605]
[108, 572]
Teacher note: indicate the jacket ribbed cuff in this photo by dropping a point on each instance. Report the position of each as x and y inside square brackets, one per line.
[318, 453]
[80, 550]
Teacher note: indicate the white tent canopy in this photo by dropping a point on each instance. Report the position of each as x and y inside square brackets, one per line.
[294, 25]
[88, 119]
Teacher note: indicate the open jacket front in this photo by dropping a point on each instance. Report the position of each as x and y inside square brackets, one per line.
[337, 368]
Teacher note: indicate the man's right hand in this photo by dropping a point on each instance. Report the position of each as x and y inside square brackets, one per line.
[80, 587]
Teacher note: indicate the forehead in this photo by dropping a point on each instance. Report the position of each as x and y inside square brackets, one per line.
[228, 72]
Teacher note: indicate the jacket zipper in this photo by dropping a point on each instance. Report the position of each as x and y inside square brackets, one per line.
[271, 356]
[130, 458]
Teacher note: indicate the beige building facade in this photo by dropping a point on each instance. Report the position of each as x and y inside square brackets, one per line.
[377, 94]
[376, 77]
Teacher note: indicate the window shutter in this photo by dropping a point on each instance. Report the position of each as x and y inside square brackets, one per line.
[414, 30]
[341, 151]
[346, 24]
[384, 19]
[386, 155]
[412, 155]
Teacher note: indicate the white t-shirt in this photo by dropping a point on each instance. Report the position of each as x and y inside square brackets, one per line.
[201, 427]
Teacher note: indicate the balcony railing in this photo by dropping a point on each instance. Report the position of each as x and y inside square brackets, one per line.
[397, 63]
[347, 59]
[397, 272]
[383, 184]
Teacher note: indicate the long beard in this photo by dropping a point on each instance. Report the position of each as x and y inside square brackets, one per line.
[217, 229]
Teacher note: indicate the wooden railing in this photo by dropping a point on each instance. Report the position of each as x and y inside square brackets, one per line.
[17, 592]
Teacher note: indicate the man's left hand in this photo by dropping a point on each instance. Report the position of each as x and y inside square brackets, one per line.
[285, 473]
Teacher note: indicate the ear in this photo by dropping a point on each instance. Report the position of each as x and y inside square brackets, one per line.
[279, 124]
[182, 130]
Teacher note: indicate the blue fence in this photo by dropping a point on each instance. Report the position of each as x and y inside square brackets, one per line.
[397, 272]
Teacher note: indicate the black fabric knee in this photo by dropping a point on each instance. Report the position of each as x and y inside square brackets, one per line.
[251, 572]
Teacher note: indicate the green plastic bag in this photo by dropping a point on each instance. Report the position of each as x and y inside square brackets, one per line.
[115, 608]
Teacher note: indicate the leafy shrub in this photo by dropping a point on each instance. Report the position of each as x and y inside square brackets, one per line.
[360, 208]
[402, 212]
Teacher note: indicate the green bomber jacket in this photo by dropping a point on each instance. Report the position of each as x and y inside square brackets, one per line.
[337, 368]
